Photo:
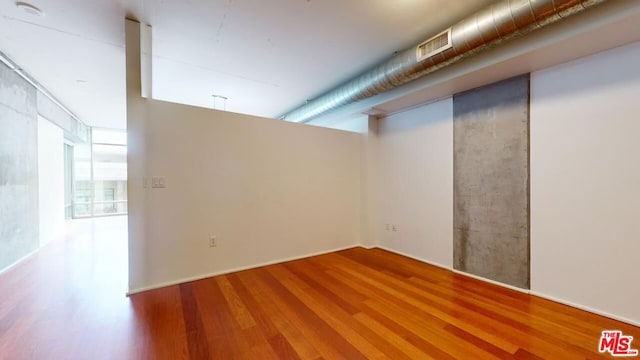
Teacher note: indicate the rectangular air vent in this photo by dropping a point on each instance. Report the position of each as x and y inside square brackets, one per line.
[435, 45]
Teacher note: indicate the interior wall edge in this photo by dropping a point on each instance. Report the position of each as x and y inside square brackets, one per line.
[415, 181]
[430, 262]
[524, 291]
[584, 177]
[635, 322]
[19, 261]
[237, 269]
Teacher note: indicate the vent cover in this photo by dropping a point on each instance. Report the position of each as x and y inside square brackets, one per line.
[435, 45]
[502, 21]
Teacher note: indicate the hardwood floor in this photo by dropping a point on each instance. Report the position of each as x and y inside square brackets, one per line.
[67, 302]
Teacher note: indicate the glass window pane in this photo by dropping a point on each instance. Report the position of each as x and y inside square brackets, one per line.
[82, 180]
[110, 197]
[68, 181]
[109, 179]
[100, 186]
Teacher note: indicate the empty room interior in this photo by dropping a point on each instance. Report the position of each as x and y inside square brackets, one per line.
[306, 179]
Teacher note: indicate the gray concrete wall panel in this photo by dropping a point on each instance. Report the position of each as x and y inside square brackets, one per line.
[18, 168]
[491, 182]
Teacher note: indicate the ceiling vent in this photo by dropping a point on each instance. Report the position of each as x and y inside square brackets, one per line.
[496, 24]
[435, 45]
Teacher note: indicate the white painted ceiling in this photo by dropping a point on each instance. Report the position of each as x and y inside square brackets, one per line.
[265, 56]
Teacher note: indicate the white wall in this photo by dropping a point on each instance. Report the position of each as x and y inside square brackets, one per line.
[585, 182]
[273, 190]
[415, 182]
[269, 190]
[50, 180]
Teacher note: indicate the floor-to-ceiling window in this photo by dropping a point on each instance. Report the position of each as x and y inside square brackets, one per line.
[68, 180]
[100, 174]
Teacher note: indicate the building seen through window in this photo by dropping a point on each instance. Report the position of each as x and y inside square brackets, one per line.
[100, 174]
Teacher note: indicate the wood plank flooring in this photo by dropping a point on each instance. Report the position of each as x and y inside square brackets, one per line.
[68, 303]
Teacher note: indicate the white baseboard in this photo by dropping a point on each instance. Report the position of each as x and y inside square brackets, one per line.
[586, 308]
[449, 268]
[233, 270]
[525, 291]
[510, 287]
[19, 261]
[40, 247]
[242, 268]
[413, 257]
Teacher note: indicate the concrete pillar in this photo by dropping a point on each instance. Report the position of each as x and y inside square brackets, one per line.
[19, 215]
[491, 182]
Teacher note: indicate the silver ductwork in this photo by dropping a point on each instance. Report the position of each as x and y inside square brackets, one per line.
[483, 30]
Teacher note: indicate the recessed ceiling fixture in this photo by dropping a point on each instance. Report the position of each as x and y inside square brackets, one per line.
[29, 8]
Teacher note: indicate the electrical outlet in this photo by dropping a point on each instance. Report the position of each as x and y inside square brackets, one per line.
[212, 241]
[394, 227]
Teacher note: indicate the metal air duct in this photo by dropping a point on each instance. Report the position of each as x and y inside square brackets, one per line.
[483, 30]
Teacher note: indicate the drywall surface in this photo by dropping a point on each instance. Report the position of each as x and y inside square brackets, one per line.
[139, 265]
[267, 190]
[585, 179]
[491, 181]
[51, 184]
[18, 168]
[414, 182]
